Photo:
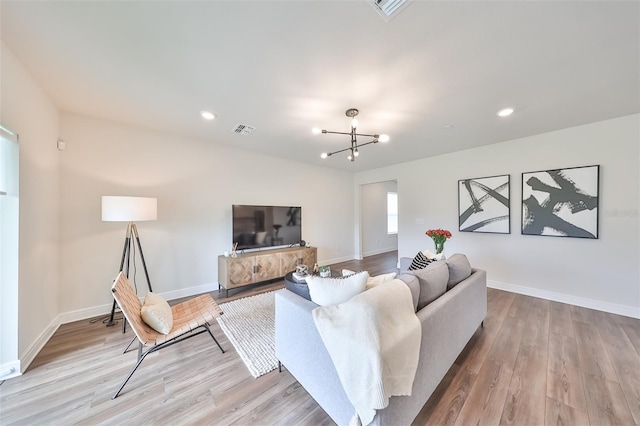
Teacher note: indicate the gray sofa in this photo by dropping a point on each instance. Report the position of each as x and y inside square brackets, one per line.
[448, 323]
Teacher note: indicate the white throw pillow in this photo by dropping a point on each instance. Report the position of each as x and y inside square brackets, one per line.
[379, 279]
[156, 313]
[332, 291]
[431, 255]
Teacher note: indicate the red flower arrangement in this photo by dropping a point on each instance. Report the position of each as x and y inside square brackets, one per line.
[439, 237]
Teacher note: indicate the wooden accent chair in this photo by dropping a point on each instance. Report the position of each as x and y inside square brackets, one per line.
[188, 316]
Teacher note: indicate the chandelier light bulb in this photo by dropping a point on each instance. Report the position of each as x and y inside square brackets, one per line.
[505, 112]
[316, 131]
[353, 150]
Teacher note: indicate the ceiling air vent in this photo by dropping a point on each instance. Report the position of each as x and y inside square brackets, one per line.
[243, 129]
[387, 8]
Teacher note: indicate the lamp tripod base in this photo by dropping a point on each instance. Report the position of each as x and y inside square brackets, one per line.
[132, 232]
[111, 321]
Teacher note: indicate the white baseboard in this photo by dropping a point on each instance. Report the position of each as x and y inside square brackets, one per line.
[335, 260]
[190, 291]
[95, 311]
[86, 313]
[37, 345]
[9, 370]
[82, 314]
[613, 308]
[379, 251]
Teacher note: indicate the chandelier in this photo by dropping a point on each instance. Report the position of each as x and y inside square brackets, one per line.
[353, 149]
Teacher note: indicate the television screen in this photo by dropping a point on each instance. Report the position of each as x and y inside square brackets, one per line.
[266, 226]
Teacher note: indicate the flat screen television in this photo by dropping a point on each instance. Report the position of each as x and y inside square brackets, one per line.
[257, 227]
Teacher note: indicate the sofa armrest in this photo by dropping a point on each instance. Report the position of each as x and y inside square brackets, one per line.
[301, 350]
[447, 325]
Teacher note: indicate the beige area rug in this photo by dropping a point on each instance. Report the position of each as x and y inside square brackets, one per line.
[249, 324]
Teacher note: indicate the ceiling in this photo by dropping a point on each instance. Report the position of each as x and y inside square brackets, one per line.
[433, 77]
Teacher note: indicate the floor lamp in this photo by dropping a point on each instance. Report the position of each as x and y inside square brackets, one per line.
[130, 210]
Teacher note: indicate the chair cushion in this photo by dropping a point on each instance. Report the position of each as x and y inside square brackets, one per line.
[332, 291]
[433, 282]
[156, 313]
[459, 269]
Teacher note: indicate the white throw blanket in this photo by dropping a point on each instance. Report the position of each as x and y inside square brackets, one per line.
[374, 342]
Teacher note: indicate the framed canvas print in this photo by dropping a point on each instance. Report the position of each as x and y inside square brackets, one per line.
[483, 205]
[561, 203]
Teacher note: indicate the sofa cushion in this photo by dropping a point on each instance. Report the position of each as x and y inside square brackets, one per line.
[414, 285]
[156, 313]
[372, 281]
[433, 282]
[332, 291]
[420, 261]
[379, 279]
[459, 269]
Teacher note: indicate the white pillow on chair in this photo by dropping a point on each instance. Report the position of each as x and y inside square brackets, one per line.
[156, 313]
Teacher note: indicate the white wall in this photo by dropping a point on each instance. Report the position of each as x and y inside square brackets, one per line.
[196, 182]
[373, 221]
[603, 273]
[28, 111]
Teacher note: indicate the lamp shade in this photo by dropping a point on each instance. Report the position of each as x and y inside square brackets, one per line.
[128, 209]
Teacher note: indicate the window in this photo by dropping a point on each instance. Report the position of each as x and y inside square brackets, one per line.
[392, 212]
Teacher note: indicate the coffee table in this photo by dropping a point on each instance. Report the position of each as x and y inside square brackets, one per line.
[300, 287]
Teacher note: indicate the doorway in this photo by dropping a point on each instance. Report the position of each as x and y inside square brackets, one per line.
[379, 217]
[9, 175]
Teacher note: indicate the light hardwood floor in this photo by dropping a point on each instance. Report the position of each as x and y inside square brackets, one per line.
[535, 362]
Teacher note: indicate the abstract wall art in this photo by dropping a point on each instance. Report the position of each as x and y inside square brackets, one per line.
[561, 203]
[483, 205]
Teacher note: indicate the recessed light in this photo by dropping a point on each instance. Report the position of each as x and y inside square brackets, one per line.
[207, 115]
[505, 112]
